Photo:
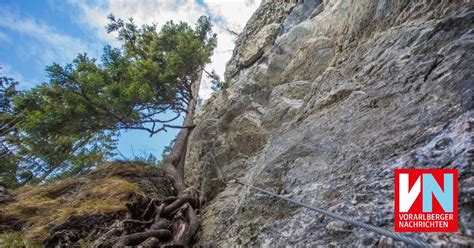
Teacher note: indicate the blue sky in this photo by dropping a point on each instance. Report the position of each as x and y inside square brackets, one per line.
[35, 34]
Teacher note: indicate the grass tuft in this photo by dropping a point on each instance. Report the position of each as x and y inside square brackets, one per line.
[15, 240]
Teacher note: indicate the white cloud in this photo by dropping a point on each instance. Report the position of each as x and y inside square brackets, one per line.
[51, 46]
[143, 12]
[7, 71]
[232, 14]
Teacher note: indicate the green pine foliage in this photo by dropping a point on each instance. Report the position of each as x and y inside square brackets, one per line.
[69, 124]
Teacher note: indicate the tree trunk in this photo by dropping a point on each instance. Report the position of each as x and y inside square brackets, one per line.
[173, 165]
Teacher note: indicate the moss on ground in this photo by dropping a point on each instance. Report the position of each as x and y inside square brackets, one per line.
[38, 209]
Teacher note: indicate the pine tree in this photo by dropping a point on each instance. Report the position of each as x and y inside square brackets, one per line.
[68, 124]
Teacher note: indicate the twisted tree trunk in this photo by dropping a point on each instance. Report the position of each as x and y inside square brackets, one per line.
[174, 163]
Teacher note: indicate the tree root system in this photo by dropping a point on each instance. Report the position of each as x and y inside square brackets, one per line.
[150, 222]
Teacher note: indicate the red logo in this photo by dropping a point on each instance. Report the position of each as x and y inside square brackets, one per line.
[426, 200]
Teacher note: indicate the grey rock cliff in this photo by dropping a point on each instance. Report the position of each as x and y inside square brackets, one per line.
[327, 99]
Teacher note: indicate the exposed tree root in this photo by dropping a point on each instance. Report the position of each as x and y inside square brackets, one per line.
[153, 223]
[137, 238]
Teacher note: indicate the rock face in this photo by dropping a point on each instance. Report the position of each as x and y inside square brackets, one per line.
[256, 39]
[327, 99]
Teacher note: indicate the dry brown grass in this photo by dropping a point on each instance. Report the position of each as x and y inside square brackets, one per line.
[121, 168]
[40, 208]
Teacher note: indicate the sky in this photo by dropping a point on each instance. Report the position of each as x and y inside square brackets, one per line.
[38, 33]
